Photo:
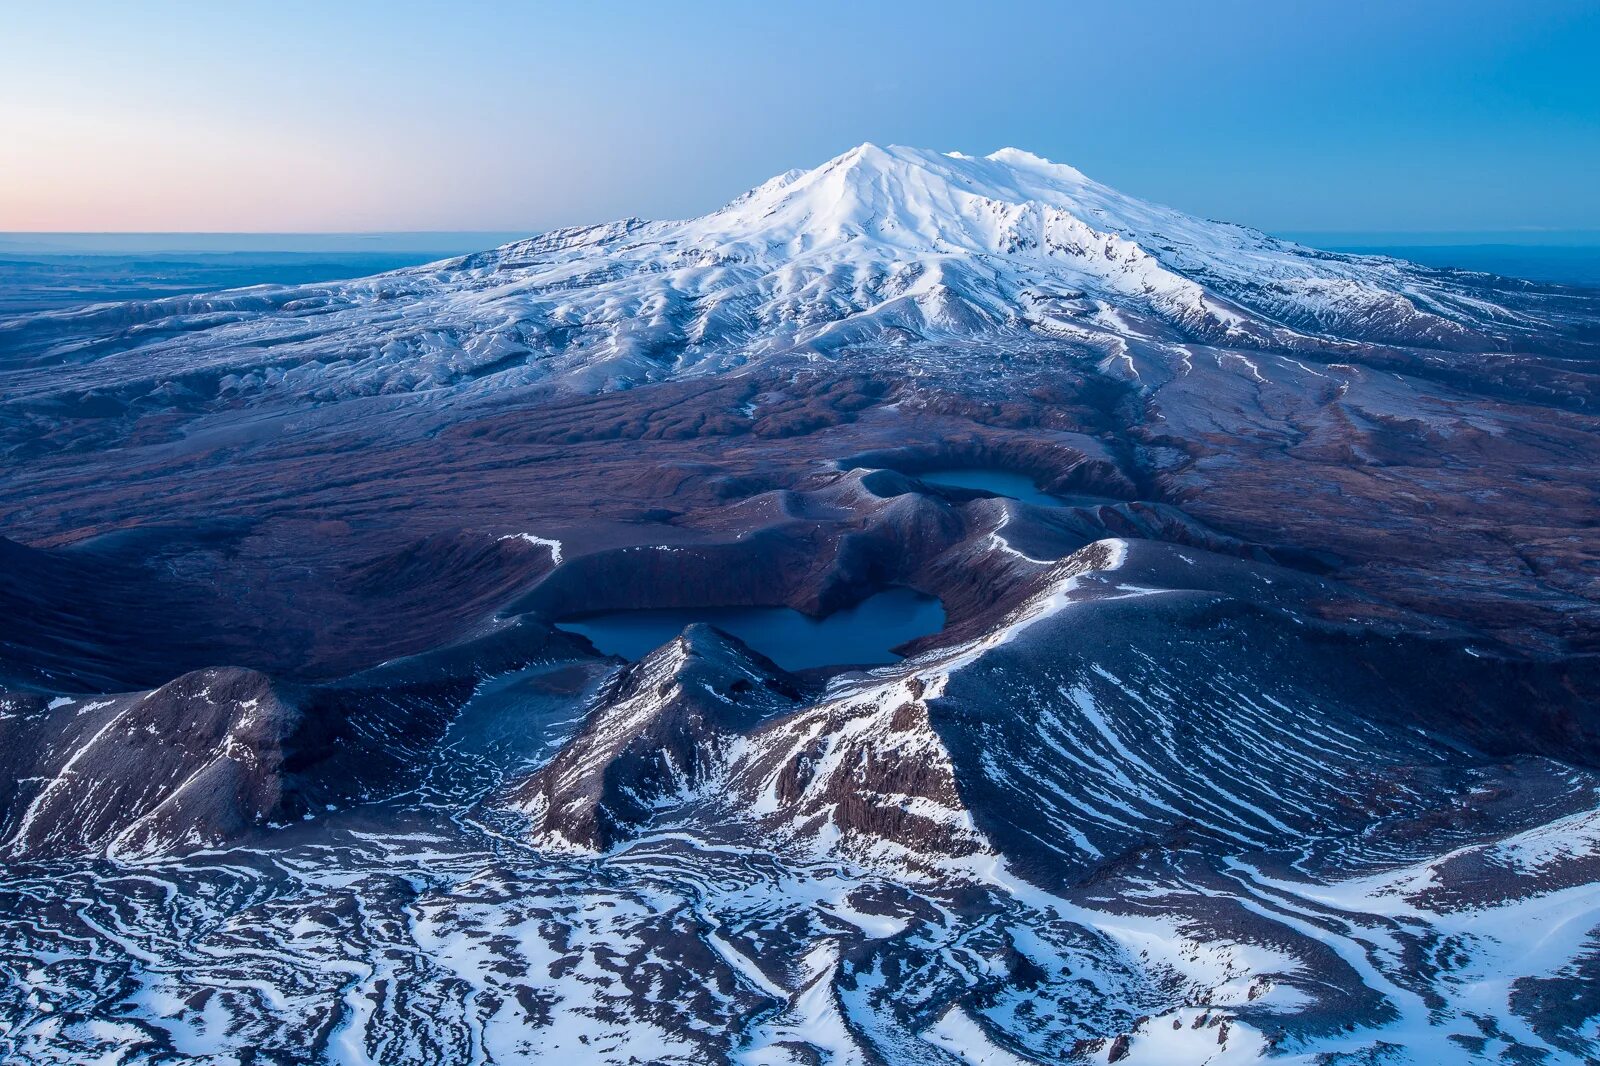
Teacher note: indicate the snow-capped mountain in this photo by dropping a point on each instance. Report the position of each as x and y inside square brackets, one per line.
[877, 247]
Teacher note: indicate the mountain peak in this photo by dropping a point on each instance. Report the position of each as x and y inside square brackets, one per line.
[1005, 171]
[912, 199]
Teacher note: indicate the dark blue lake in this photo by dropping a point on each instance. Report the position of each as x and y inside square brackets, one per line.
[1001, 482]
[856, 636]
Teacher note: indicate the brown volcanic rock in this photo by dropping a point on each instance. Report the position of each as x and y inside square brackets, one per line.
[132, 609]
[703, 722]
[866, 776]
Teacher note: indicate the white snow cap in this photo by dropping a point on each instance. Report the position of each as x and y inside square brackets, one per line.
[916, 199]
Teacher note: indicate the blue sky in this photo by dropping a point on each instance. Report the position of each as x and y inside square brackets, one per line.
[412, 116]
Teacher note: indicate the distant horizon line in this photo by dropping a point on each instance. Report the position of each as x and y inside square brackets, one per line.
[447, 243]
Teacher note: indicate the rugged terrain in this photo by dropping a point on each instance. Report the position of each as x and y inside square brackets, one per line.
[1273, 734]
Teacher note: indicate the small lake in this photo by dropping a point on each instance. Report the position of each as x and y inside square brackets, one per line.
[856, 636]
[1001, 482]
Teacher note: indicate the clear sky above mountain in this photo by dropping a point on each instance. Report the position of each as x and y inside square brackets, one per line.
[381, 116]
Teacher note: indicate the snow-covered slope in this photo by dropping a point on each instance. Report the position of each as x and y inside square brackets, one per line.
[1151, 816]
[879, 246]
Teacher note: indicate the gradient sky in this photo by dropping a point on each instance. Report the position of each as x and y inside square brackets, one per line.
[359, 115]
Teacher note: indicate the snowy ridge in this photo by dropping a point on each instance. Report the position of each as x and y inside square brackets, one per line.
[131, 789]
[205, 758]
[866, 776]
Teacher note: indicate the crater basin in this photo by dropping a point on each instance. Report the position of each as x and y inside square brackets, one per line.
[856, 636]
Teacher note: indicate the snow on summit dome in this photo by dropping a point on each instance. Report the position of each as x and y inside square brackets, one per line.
[905, 197]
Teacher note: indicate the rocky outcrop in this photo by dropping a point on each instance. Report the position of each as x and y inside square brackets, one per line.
[658, 735]
[865, 776]
[194, 762]
[219, 753]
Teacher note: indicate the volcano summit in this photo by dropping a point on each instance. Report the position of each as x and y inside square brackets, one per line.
[1264, 727]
